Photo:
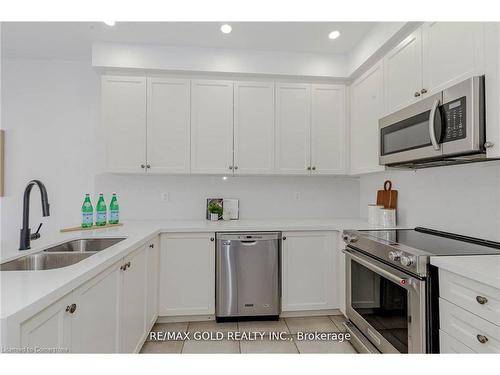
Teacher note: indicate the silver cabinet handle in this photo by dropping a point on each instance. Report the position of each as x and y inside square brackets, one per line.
[148, 166]
[481, 300]
[313, 168]
[488, 144]
[235, 167]
[231, 167]
[432, 133]
[417, 94]
[423, 91]
[152, 246]
[482, 339]
[308, 168]
[212, 239]
[143, 166]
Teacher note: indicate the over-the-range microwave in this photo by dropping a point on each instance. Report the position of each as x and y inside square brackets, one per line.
[445, 128]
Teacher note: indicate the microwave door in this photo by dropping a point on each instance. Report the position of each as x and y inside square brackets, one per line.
[412, 133]
[464, 118]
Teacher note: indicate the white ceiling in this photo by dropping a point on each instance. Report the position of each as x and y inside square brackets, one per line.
[72, 40]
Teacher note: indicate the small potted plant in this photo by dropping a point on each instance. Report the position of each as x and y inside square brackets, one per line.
[215, 210]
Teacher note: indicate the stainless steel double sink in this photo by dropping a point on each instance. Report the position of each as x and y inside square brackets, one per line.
[59, 256]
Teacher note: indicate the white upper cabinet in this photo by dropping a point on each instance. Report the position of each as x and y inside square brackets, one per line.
[366, 104]
[293, 124]
[168, 125]
[328, 136]
[253, 127]
[403, 73]
[124, 119]
[453, 51]
[211, 127]
[492, 88]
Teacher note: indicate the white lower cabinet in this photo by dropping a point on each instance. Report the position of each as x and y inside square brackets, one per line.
[95, 320]
[133, 301]
[309, 271]
[112, 312]
[153, 269]
[50, 328]
[187, 276]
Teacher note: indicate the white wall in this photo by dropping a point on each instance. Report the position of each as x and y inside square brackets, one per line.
[49, 111]
[464, 199]
[260, 197]
[217, 60]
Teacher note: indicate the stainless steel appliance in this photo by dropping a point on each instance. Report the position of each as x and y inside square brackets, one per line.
[391, 288]
[445, 128]
[247, 275]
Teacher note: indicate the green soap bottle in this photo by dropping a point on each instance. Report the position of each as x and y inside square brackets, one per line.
[100, 211]
[87, 212]
[114, 210]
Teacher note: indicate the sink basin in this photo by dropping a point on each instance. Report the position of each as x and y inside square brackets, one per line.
[84, 245]
[44, 261]
[59, 256]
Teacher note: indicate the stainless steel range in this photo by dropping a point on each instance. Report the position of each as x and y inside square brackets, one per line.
[392, 290]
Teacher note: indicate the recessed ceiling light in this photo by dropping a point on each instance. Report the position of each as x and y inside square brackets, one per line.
[110, 23]
[226, 29]
[334, 34]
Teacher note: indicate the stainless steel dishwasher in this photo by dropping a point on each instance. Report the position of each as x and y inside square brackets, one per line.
[247, 275]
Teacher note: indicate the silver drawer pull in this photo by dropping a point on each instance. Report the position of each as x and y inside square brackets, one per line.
[481, 300]
[482, 339]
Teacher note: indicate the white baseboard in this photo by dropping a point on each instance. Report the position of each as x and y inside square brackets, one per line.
[299, 314]
[185, 318]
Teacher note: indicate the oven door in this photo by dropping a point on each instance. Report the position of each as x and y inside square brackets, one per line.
[412, 133]
[386, 305]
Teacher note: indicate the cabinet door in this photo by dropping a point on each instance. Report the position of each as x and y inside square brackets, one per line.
[153, 266]
[453, 51]
[293, 128]
[492, 87]
[328, 129]
[124, 122]
[133, 302]
[366, 101]
[168, 130]
[403, 73]
[50, 328]
[253, 127]
[309, 271]
[211, 127]
[95, 321]
[187, 274]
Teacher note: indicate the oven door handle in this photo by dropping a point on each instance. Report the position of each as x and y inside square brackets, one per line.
[398, 280]
[432, 132]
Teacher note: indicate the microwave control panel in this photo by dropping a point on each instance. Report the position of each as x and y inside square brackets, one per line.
[454, 116]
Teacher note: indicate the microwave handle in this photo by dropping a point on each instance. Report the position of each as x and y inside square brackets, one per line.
[432, 133]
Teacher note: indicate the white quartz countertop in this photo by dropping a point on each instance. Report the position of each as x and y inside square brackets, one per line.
[482, 268]
[26, 292]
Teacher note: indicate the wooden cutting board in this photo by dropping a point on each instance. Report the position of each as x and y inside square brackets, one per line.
[387, 197]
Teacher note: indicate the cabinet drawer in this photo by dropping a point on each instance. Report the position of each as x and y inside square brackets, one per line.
[480, 299]
[469, 328]
[449, 344]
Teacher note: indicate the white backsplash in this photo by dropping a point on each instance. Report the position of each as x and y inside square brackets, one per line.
[140, 197]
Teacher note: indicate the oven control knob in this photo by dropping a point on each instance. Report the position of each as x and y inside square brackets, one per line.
[407, 260]
[394, 256]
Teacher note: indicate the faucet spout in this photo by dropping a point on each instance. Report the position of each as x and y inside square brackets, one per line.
[26, 237]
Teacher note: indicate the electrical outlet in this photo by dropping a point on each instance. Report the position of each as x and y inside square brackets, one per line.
[165, 196]
[298, 195]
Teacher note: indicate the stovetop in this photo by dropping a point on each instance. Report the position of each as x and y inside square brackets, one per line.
[411, 249]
